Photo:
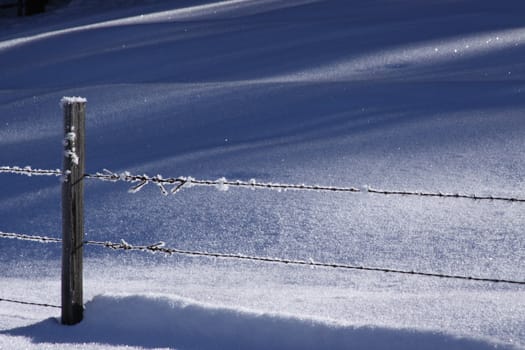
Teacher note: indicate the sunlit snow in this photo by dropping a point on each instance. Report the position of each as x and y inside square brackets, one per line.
[421, 96]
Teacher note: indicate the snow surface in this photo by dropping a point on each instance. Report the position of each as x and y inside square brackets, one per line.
[405, 94]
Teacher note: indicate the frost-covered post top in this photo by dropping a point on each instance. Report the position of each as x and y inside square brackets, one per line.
[72, 99]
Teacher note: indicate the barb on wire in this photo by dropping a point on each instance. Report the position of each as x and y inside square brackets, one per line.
[28, 303]
[123, 245]
[160, 247]
[178, 183]
[444, 195]
[27, 170]
[23, 237]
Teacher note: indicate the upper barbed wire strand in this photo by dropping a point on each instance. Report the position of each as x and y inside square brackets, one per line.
[178, 183]
[29, 171]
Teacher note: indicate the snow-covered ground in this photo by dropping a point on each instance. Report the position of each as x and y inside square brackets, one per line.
[399, 95]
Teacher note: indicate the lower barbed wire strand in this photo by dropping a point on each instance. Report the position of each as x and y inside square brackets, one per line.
[33, 238]
[28, 303]
[159, 247]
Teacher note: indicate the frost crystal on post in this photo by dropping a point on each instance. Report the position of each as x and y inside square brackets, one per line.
[69, 142]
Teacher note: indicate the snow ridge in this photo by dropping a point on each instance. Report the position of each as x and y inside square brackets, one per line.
[180, 323]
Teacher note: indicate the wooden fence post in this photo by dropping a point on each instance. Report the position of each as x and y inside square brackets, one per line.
[73, 209]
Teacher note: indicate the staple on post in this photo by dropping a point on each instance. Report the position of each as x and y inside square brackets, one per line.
[74, 109]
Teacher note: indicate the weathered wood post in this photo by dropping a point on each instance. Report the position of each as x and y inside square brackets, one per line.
[73, 209]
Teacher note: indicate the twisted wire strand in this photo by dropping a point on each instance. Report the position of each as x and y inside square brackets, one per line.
[178, 183]
[33, 238]
[27, 170]
[28, 303]
[445, 195]
[161, 248]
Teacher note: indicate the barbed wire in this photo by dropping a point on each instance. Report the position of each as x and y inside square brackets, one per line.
[160, 247]
[177, 183]
[445, 195]
[223, 184]
[29, 171]
[28, 303]
[33, 238]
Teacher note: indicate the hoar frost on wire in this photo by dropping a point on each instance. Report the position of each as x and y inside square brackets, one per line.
[158, 182]
[29, 171]
[138, 187]
[221, 184]
[123, 176]
[125, 244]
[189, 181]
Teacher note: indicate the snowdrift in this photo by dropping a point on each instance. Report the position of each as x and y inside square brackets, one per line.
[152, 321]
